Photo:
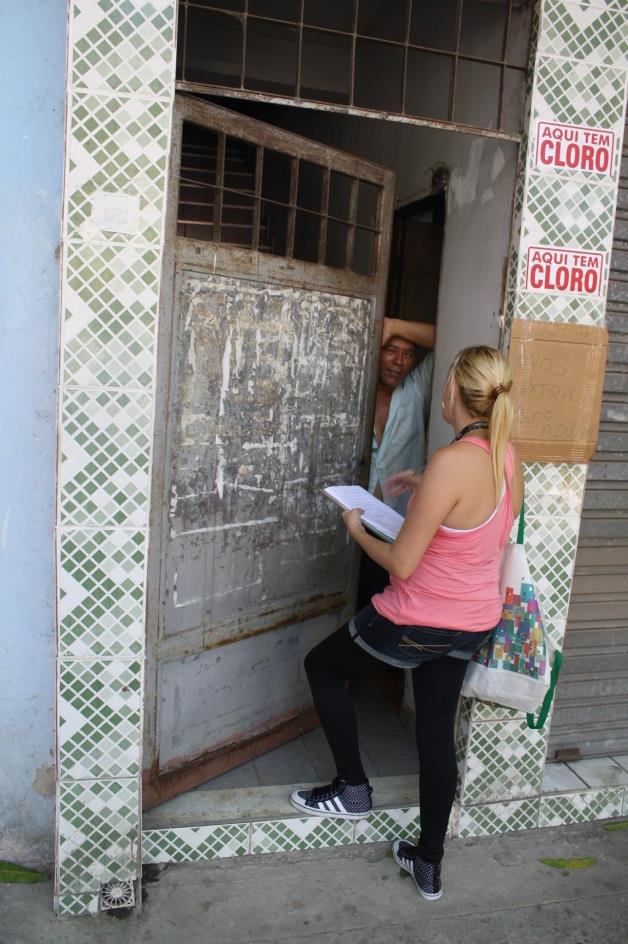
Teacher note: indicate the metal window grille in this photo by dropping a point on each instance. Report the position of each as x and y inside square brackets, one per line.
[446, 63]
[256, 197]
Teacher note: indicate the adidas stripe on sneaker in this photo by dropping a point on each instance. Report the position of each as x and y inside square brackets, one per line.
[426, 875]
[338, 799]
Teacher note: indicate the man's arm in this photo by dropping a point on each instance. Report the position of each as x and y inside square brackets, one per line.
[416, 332]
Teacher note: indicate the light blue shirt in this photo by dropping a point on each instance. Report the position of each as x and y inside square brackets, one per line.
[403, 443]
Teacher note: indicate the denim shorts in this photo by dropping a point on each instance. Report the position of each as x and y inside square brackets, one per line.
[406, 647]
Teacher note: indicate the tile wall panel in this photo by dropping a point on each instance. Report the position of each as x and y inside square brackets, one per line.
[579, 78]
[120, 93]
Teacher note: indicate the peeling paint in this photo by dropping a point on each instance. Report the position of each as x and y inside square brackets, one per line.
[44, 782]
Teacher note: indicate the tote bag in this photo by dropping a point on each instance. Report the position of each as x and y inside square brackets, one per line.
[513, 668]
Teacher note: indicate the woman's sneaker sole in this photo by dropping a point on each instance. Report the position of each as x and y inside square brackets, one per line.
[402, 863]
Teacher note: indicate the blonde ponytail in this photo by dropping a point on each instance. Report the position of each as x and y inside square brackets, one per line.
[484, 378]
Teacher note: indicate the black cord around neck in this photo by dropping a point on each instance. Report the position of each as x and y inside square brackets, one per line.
[480, 424]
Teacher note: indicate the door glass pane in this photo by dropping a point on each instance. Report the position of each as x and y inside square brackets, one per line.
[213, 47]
[477, 94]
[306, 232]
[273, 236]
[310, 188]
[482, 30]
[433, 23]
[514, 100]
[340, 186]
[276, 176]
[336, 245]
[382, 19]
[271, 57]
[368, 203]
[378, 76]
[236, 221]
[363, 252]
[334, 14]
[325, 66]
[428, 80]
[276, 9]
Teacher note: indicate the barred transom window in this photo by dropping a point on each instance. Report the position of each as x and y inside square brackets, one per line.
[457, 62]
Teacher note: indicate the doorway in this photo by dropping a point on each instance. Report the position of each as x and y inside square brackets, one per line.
[272, 306]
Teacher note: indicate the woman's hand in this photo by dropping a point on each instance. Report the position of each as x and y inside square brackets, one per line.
[353, 521]
[402, 482]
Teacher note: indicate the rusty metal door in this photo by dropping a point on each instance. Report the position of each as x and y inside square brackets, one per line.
[277, 257]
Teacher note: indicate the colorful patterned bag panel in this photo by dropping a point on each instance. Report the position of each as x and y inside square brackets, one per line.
[518, 642]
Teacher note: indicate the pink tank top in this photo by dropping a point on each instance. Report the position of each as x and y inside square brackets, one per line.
[456, 582]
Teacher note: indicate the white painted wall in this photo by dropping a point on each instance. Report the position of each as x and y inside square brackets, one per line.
[32, 75]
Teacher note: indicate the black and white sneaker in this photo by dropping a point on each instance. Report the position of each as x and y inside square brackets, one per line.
[339, 799]
[426, 875]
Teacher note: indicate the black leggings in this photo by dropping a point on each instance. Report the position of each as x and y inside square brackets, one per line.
[437, 685]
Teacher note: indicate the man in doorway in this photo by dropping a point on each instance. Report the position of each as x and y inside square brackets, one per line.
[401, 409]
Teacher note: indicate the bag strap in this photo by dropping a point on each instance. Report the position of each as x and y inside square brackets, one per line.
[522, 523]
[549, 695]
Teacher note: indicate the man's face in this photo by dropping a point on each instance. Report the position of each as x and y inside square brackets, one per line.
[396, 360]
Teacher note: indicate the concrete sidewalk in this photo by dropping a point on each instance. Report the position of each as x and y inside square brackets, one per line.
[496, 891]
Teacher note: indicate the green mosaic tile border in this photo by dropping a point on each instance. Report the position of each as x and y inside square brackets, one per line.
[111, 298]
[123, 47]
[102, 594]
[107, 440]
[99, 717]
[555, 489]
[77, 905]
[567, 309]
[386, 825]
[575, 32]
[566, 212]
[584, 807]
[118, 146]
[491, 819]
[98, 833]
[505, 761]
[579, 93]
[195, 843]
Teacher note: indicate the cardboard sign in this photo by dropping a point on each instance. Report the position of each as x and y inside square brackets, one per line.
[564, 271]
[558, 376]
[575, 147]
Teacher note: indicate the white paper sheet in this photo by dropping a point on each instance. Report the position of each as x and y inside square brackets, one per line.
[385, 521]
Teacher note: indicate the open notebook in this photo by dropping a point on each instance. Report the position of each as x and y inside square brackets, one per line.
[378, 517]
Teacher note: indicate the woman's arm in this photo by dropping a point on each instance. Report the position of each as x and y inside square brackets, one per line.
[436, 494]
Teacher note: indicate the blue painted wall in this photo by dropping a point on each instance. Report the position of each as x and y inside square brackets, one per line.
[32, 78]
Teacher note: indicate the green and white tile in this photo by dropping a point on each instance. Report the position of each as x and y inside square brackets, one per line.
[567, 309]
[102, 594]
[117, 148]
[579, 93]
[98, 833]
[554, 489]
[567, 213]
[575, 31]
[504, 761]
[121, 46]
[99, 719]
[585, 807]
[77, 905]
[551, 545]
[382, 825]
[313, 832]
[105, 454]
[111, 298]
[490, 819]
[488, 711]
[195, 843]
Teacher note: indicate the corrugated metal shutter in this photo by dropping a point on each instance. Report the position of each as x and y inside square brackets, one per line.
[591, 710]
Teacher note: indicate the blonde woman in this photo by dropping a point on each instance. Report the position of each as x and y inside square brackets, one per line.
[439, 607]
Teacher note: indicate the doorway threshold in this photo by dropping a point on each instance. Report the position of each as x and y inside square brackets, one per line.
[211, 824]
